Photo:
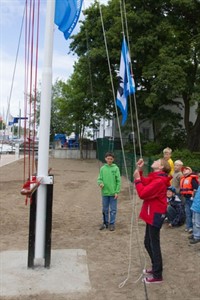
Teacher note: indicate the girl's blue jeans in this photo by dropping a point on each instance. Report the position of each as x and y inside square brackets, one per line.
[109, 205]
[188, 213]
[196, 225]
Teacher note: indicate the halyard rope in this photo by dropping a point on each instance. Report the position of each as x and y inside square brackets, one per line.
[134, 210]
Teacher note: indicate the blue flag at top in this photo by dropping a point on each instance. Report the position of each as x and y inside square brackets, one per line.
[126, 82]
[67, 14]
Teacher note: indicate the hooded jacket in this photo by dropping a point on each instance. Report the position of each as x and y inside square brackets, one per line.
[152, 190]
[196, 202]
[178, 206]
[109, 175]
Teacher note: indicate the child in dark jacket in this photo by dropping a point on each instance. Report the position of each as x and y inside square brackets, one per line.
[152, 190]
[175, 209]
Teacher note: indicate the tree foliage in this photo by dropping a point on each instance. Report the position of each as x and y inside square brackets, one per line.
[75, 105]
[164, 39]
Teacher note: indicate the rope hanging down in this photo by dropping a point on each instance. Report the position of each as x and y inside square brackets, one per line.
[123, 9]
[132, 198]
[31, 30]
[13, 75]
[30, 83]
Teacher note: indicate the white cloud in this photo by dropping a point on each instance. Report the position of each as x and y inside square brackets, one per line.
[62, 69]
[7, 67]
[10, 8]
[62, 65]
[11, 12]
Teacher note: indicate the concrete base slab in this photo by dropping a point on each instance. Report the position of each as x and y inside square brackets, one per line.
[68, 274]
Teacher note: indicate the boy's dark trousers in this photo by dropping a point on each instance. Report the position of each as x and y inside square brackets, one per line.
[152, 245]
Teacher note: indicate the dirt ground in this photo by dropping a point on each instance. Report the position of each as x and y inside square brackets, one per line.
[76, 220]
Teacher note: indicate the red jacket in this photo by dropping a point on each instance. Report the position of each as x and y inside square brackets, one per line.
[152, 190]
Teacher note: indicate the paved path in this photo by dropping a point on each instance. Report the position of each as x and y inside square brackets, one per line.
[6, 159]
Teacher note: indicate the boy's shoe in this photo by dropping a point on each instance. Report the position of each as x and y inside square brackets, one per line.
[190, 230]
[194, 241]
[190, 237]
[103, 226]
[186, 230]
[112, 227]
[152, 280]
[148, 271]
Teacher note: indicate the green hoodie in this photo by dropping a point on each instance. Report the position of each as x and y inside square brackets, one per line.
[109, 175]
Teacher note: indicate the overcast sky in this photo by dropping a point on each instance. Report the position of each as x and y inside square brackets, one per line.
[11, 13]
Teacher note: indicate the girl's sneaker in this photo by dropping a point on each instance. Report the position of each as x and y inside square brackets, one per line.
[152, 280]
[148, 271]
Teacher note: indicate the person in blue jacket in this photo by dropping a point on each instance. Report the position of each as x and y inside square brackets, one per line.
[195, 238]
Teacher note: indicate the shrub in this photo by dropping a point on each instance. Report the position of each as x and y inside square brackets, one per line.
[151, 148]
[188, 158]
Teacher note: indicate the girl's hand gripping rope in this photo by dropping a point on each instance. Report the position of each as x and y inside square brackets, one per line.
[139, 165]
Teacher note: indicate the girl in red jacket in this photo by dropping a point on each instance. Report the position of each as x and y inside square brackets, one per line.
[152, 190]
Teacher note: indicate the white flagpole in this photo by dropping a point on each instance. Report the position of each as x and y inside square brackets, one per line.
[45, 115]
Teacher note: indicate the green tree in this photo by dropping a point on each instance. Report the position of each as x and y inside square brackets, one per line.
[58, 121]
[165, 46]
[74, 103]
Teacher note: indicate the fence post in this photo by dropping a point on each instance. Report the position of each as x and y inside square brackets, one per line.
[149, 164]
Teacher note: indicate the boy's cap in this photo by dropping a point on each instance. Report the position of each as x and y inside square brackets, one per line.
[178, 162]
[172, 188]
[188, 168]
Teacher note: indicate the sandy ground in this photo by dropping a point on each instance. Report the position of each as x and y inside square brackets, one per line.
[76, 220]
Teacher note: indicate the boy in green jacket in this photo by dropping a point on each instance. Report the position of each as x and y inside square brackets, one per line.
[109, 180]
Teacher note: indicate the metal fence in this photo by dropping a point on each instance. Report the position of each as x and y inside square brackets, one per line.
[125, 163]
